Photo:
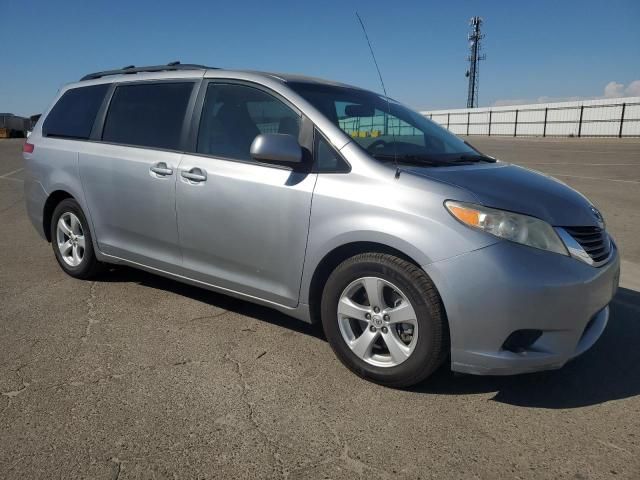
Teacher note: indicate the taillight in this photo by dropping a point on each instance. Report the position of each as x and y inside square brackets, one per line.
[28, 147]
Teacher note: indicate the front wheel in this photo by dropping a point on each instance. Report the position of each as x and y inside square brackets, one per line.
[384, 319]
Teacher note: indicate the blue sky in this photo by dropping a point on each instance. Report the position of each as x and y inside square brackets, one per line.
[535, 49]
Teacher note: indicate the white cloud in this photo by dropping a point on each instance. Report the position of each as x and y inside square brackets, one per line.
[633, 89]
[514, 101]
[612, 89]
[543, 99]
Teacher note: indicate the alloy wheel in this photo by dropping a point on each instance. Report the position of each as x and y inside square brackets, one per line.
[377, 322]
[70, 239]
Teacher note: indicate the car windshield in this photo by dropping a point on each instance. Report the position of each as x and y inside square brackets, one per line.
[387, 130]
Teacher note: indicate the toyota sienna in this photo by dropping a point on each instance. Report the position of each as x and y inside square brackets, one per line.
[330, 203]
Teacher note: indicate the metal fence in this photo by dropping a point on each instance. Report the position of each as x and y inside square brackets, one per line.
[615, 118]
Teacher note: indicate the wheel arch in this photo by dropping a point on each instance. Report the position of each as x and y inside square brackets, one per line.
[336, 256]
[49, 206]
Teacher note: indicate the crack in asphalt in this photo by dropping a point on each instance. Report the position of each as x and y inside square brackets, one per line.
[252, 417]
[119, 461]
[353, 464]
[14, 393]
[117, 467]
[91, 311]
[205, 317]
[6, 406]
[117, 376]
[614, 446]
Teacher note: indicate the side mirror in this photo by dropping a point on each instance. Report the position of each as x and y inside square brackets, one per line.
[276, 147]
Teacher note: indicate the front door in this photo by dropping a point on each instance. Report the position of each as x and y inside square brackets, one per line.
[243, 225]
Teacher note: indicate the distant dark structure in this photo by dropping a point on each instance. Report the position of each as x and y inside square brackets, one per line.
[474, 60]
[13, 126]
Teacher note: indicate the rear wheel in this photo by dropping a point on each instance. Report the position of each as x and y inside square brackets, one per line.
[384, 319]
[71, 240]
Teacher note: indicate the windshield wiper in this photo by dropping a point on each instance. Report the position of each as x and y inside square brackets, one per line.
[413, 160]
[474, 158]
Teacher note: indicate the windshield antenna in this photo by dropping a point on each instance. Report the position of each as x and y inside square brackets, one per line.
[395, 147]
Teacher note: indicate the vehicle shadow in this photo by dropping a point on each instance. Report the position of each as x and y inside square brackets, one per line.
[609, 371]
[122, 274]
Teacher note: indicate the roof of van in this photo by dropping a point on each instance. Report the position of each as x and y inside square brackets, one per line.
[296, 78]
[191, 68]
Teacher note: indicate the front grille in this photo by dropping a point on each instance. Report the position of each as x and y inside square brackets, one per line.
[595, 241]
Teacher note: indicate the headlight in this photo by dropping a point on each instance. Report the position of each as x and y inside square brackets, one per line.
[514, 227]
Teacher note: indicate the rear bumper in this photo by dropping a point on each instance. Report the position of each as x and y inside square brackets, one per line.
[490, 293]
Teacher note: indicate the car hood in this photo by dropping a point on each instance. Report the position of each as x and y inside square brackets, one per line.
[509, 187]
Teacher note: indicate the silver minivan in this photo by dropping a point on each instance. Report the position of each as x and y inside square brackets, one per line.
[327, 202]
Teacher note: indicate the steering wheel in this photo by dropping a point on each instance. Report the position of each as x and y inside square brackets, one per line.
[377, 144]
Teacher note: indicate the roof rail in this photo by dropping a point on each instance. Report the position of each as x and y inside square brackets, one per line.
[172, 66]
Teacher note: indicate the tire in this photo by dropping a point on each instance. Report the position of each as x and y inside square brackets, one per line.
[397, 282]
[79, 260]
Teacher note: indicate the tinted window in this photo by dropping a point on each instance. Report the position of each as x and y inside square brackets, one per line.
[149, 115]
[326, 158]
[75, 112]
[233, 115]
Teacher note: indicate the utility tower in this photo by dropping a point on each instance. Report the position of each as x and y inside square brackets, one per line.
[474, 61]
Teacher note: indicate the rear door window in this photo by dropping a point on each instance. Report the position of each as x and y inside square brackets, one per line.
[148, 115]
[73, 115]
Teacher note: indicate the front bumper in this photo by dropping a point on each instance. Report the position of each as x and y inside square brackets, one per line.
[490, 293]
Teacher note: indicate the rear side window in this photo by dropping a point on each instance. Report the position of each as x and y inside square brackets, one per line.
[73, 115]
[148, 115]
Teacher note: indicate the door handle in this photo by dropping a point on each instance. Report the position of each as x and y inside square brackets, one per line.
[195, 175]
[161, 169]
